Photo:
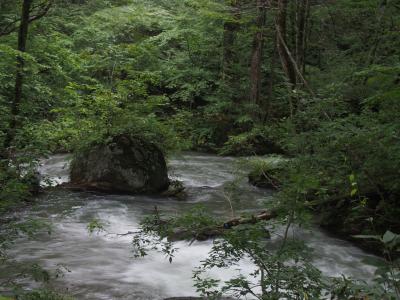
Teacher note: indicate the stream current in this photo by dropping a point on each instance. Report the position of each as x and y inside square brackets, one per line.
[102, 266]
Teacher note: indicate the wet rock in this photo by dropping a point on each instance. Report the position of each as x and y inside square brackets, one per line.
[176, 189]
[124, 165]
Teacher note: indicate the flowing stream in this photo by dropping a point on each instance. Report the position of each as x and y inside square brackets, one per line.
[102, 266]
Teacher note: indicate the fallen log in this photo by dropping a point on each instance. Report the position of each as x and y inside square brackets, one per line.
[205, 233]
[202, 234]
[265, 215]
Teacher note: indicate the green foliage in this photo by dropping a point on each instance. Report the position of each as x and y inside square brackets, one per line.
[44, 295]
[268, 172]
[354, 162]
[17, 182]
[283, 273]
[259, 140]
[95, 226]
[11, 231]
[346, 288]
[388, 275]
[156, 233]
[155, 70]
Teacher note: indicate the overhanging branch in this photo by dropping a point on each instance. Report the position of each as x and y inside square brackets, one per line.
[41, 10]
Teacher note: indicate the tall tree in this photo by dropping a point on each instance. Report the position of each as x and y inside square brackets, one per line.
[15, 104]
[231, 27]
[257, 52]
[283, 50]
[302, 15]
[25, 19]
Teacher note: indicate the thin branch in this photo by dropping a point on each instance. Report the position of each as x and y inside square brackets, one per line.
[13, 25]
[42, 13]
[10, 27]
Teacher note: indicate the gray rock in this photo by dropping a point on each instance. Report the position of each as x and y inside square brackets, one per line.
[123, 165]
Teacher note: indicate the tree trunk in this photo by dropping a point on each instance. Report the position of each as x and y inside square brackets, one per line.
[15, 104]
[257, 52]
[281, 25]
[302, 15]
[271, 82]
[230, 29]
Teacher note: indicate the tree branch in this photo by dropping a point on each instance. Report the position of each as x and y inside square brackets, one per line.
[42, 10]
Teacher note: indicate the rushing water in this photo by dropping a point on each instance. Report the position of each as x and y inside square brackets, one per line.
[101, 266]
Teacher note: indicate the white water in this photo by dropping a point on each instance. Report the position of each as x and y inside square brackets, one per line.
[102, 265]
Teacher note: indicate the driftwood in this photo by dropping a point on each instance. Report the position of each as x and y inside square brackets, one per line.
[206, 233]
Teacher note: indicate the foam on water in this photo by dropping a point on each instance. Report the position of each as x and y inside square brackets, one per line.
[54, 169]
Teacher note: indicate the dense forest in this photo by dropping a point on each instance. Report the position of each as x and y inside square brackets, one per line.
[302, 96]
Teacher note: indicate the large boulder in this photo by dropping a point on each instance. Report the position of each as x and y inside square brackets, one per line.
[123, 165]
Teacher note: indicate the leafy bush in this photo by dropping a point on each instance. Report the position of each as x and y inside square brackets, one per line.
[257, 141]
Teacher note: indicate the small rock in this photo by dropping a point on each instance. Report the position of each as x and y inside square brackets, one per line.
[176, 189]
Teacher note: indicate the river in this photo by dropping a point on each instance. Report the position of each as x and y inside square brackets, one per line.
[102, 266]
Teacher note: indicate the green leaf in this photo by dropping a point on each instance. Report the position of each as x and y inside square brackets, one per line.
[374, 261]
[352, 178]
[389, 237]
